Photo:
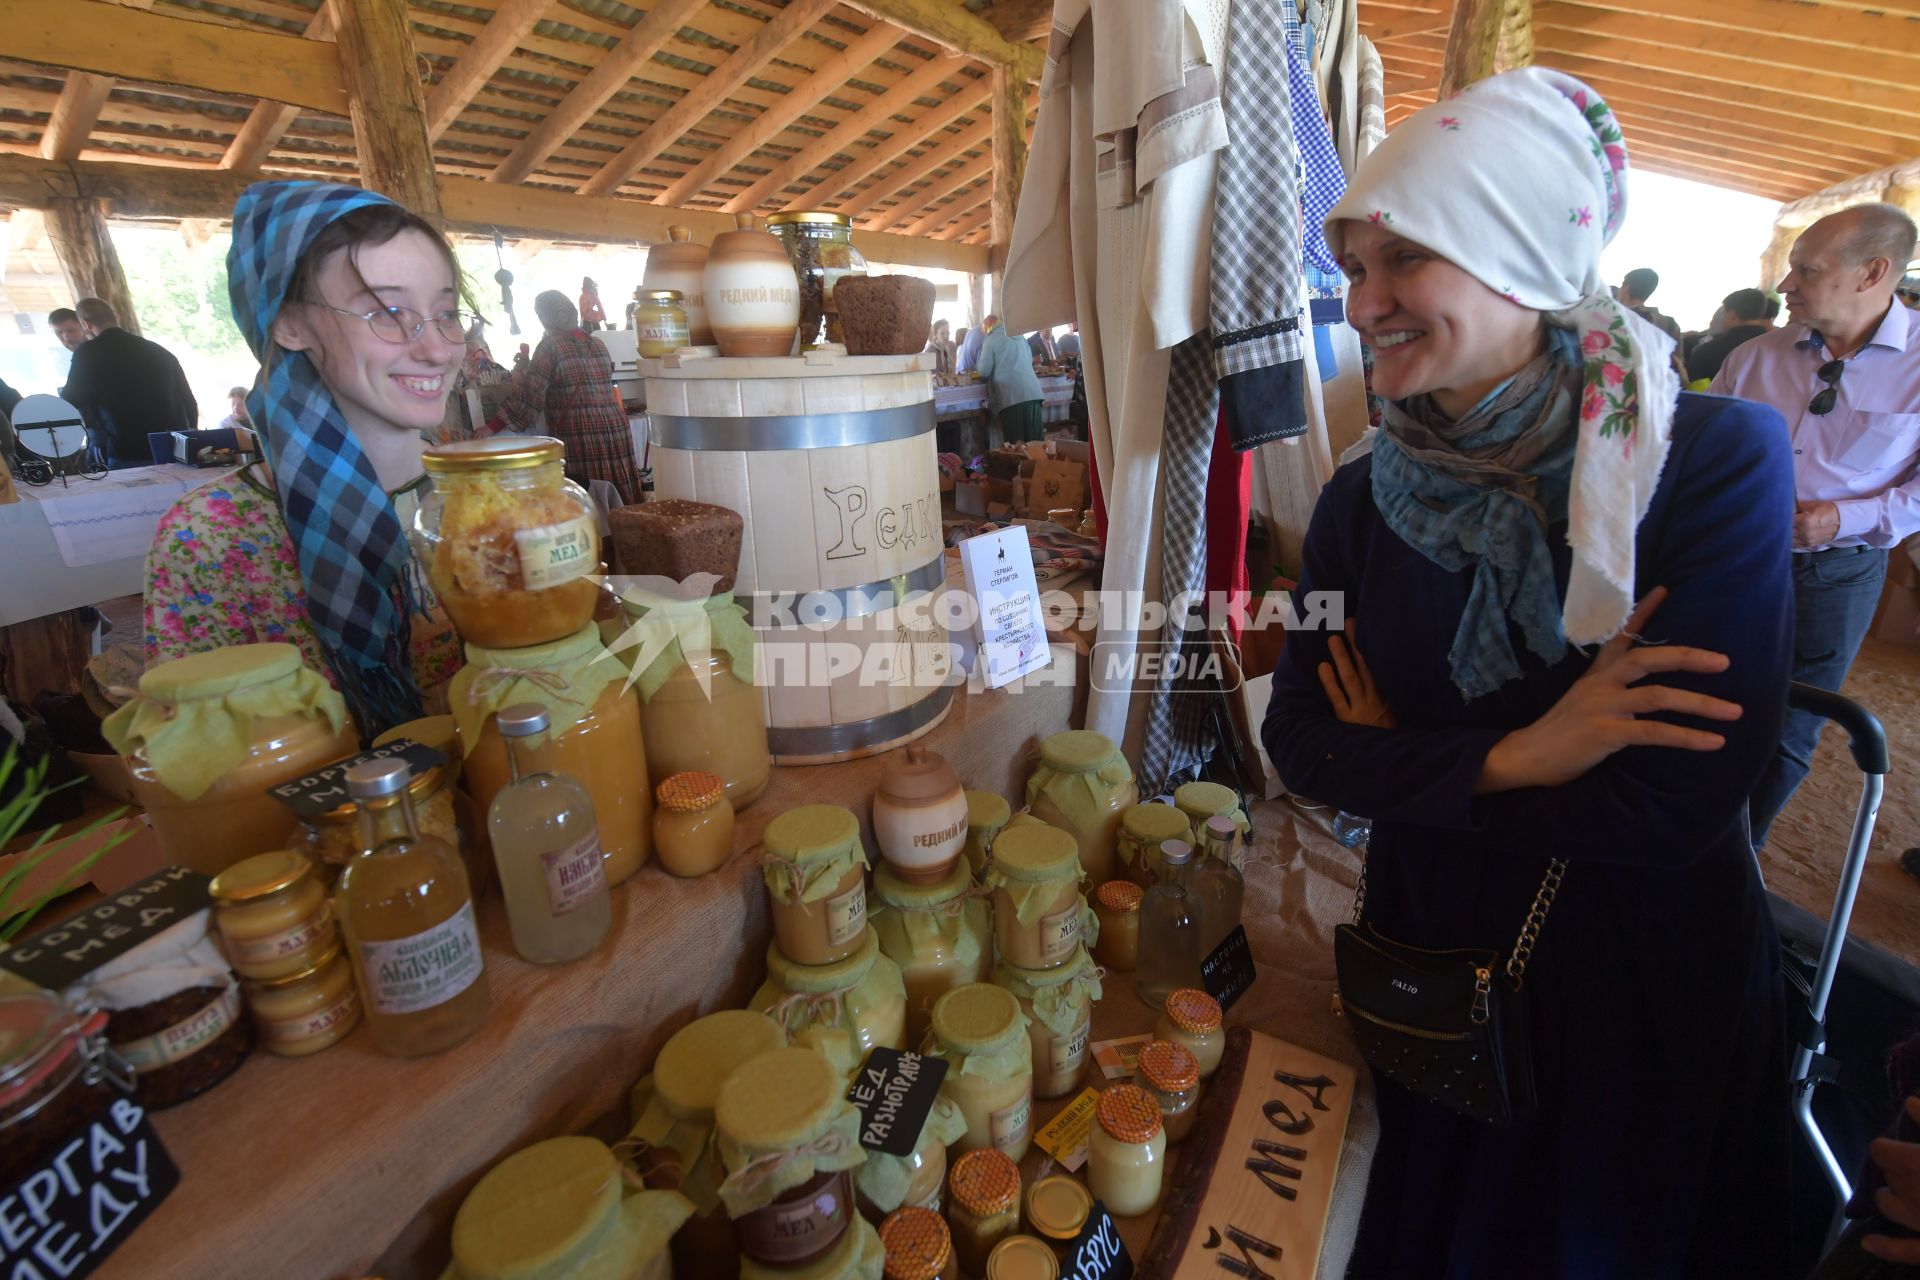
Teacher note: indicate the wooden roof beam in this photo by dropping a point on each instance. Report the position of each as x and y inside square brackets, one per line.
[1886, 32]
[615, 67]
[1009, 151]
[954, 27]
[928, 128]
[879, 113]
[828, 78]
[1020, 20]
[951, 199]
[1486, 36]
[943, 150]
[510, 24]
[737, 68]
[270, 121]
[78, 109]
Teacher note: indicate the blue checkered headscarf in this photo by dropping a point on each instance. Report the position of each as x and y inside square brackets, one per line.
[354, 557]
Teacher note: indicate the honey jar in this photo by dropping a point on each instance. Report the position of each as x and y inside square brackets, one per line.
[302, 1013]
[274, 918]
[1116, 905]
[1172, 1075]
[917, 1246]
[1039, 916]
[815, 872]
[660, 323]
[982, 1035]
[788, 1138]
[1126, 1151]
[1143, 829]
[842, 1010]
[692, 824]
[939, 934]
[1082, 785]
[987, 813]
[1059, 1007]
[1192, 1018]
[983, 1206]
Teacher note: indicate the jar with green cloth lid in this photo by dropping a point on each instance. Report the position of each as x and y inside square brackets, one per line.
[789, 1139]
[1059, 1008]
[1082, 785]
[815, 869]
[1202, 800]
[672, 1139]
[562, 1210]
[693, 663]
[593, 728]
[887, 1182]
[981, 1034]
[858, 1256]
[1143, 828]
[1040, 916]
[210, 735]
[987, 814]
[939, 934]
[841, 1010]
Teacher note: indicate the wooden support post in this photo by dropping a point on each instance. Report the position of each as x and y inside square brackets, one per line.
[78, 109]
[1486, 36]
[1009, 155]
[78, 228]
[386, 103]
[1773, 263]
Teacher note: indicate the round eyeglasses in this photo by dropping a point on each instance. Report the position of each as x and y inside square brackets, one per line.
[401, 325]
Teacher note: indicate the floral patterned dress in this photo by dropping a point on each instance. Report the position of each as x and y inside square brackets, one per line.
[222, 570]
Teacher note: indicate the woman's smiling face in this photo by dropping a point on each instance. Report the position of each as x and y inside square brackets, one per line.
[1433, 328]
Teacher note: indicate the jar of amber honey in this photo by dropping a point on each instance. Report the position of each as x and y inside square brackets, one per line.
[274, 918]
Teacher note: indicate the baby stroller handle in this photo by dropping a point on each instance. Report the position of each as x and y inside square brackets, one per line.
[1865, 738]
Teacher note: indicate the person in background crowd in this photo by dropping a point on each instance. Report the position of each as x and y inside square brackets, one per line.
[971, 340]
[633, 309]
[1845, 372]
[1908, 291]
[593, 316]
[570, 379]
[9, 398]
[66, 326]
[126, 387]
[1040, 346]
[1013, 390]
[1773, 309]
[1068, 345]
[942, 347]
[1634, 290]
[1741, 318]
[352, 306]
[1493, 706]
[237, 415]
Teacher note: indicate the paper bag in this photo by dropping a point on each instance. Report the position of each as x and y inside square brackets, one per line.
[1056, 485]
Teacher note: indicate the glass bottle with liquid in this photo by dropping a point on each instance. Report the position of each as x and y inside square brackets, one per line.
[407, 913]
[1216, 884]
[547, 847]
[1169, 929]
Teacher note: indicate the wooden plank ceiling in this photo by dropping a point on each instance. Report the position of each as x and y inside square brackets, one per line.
[732, 105]
[1780, 98]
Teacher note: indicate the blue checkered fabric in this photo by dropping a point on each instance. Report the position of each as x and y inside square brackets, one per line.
[353, 553]
[1323, 181]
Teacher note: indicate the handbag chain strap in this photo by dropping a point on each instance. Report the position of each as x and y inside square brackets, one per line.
[1516, 967]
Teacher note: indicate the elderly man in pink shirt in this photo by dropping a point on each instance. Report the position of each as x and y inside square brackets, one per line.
[1845, 373]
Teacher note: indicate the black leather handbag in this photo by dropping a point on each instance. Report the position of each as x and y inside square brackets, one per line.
[1448, 1025]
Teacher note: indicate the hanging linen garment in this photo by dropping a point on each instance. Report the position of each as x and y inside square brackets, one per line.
[1373, 101]
[1114, 230]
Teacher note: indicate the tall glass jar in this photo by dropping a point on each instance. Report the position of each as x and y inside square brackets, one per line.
[595, 733]
[814, 865]
[702, 713]
[788, 1138]
[1040, 918]
[982, 1035]
[821, 246]
[509, 542]
[1126, 1151]
[1082, 785]
[939, 934]
[210, 735]
[984, 1206]
[1059, 1008]
[407, 914]
[844, 1010]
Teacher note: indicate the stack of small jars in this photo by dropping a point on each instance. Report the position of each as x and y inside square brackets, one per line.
[277, 928]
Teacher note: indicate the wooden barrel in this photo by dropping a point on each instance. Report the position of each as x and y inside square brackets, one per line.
[831, 461]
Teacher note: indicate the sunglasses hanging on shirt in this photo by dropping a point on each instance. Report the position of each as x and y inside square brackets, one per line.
[1825, 398]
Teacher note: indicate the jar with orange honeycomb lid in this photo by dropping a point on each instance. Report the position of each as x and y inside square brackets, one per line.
[1127, 1151]
[692, 824]
[1193, 1018]
[983, 1205]
[1171, 1074]
[918, 1246]
[1116, 905]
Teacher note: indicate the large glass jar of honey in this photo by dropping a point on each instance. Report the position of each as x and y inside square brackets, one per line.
[510, 544]
[698, 704]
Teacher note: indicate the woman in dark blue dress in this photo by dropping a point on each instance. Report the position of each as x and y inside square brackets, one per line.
[1499, 700]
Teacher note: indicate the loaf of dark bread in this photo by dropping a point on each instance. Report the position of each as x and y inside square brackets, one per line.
[884, 315]
[675, 538]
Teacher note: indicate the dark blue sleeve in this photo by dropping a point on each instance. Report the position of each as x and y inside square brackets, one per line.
[1421, 776]
[1721, 542]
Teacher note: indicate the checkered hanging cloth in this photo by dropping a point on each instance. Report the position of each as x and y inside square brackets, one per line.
[353, 553]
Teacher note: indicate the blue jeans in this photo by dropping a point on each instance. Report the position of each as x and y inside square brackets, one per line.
[1834, 595]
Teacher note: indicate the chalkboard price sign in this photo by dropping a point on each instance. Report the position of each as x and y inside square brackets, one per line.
[62, 954]
[325, 790]
[895, 1093]
[1228, 971]
[1099, 1253]
[86, 1198]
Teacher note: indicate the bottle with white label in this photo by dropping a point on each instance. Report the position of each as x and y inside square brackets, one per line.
[547, 846]
[1169, 929]
[407, 913]
[1216, 884]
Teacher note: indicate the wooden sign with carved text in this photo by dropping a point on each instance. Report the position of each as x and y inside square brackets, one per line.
[1250, 1193]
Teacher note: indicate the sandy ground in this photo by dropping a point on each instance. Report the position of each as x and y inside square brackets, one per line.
[1809, 840]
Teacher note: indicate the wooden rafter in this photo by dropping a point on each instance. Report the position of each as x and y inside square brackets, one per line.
[615, 68]
[953, 26]
[500, 37]
[927, 129]
[877, 43]
[953, 197]
[1009, 151]
[1020, 20]
[943, 150]
[879, 113]
[1876, 33]
[78, 110]
[742, 63]
[270, 121]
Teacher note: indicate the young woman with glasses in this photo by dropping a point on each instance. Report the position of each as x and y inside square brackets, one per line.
[353, 306]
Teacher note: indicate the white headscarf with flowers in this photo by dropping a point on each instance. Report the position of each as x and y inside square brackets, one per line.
[1521, 180]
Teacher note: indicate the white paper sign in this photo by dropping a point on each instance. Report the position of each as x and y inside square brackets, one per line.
[999, 574]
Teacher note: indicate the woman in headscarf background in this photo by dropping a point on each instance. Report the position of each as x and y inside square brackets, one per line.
[352, 305]
[1499, 701]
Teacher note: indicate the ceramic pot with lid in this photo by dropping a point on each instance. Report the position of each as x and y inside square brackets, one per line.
[681, 264]
[753, 295]
[920, 816]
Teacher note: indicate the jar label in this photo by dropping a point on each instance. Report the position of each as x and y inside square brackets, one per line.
[1060, 933]
[668, 334]
[162, 1048]
[576, 875]
[790, 1231]
[406, 975]
[280, 946]
[343, 1012]
[1008, 1126]
[555, 553]
[1069, 1052]
[847, 915]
